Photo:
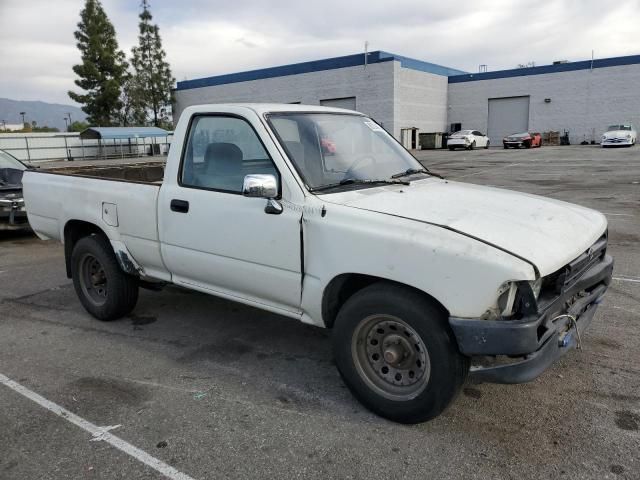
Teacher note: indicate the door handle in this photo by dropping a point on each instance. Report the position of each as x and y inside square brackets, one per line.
[180, 206]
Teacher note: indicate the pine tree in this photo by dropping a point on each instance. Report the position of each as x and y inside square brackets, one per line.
[153, 78]
[103, 66]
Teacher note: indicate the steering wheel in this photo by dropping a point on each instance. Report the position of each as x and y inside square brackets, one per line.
[358, 164]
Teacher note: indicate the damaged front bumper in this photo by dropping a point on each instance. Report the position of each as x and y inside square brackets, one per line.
[13, 215]
[530, 345]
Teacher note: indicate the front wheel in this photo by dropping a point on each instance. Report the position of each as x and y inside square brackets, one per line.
[487, 145]
[396, 353]
[104, 290]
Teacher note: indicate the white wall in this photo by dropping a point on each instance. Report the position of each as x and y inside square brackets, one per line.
[584, 102]
[372, 87]
[420, 100]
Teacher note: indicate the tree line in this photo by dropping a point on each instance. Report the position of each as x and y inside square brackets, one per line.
[117, 91]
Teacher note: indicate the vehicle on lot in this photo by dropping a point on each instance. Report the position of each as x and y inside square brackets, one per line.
[468, 139]
[13, 215]
[525, 139]
[419, 277]
[619, 136]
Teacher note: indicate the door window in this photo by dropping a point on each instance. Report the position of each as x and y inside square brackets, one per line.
[220, 152]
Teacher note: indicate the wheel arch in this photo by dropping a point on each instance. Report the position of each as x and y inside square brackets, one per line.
[344, 286]
[73, 231]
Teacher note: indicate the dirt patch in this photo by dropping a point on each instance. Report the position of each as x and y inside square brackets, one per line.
[227, 351]
[472, 393]
[105, 390]
[627, 420]
[137, 320]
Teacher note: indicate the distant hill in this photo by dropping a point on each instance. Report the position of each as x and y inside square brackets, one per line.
[49, 114]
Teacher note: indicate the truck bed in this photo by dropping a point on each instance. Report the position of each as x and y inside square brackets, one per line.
[147, 172]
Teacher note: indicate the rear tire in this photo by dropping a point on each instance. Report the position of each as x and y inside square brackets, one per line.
[473, 145]
[104, 290]
[397, 354]
[451, 149]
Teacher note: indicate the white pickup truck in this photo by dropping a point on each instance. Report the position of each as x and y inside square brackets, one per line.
[319, 214]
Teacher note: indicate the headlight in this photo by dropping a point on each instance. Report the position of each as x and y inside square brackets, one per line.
[628, 136]
[604, 137]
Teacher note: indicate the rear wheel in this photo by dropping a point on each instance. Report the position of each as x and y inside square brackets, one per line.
[451, 149]
[473, 145]
[396, 353]
[104, 290]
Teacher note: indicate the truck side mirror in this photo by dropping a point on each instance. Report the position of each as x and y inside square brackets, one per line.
[263, 186]
[260, 186]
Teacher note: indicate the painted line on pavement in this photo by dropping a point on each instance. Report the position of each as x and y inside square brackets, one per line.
[627, 279]
[97, 433]
[486, 170]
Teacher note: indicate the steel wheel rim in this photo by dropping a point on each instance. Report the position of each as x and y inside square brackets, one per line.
[93, 279]
[390, 357]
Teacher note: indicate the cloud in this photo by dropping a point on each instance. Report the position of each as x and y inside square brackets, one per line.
[209, 37]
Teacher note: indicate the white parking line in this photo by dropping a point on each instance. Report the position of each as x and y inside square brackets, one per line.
[627, 279]
[97, 433]
[486, 170]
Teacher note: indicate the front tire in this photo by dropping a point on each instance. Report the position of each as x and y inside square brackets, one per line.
[104, 290]
[395, 351]
[487, 145]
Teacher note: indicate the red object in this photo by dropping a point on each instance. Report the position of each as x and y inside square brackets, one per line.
[328, 146]
[527, 140]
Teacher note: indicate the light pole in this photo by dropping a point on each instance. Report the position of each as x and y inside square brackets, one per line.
[66, 122]
[23, 114]
[69, 115]
[4, 125]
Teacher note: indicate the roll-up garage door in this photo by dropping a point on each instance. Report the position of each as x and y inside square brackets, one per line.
[349, 103]
[507, 116]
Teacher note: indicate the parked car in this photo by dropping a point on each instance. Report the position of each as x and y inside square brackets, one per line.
[468, 139]
[525, 139]
[12, 212]
[418, 277]
[619, 135]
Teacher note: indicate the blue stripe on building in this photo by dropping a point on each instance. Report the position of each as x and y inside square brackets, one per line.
[544, 69]
[318, 66]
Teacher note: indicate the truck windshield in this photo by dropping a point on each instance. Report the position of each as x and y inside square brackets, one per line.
[8, 161]
[341, 150]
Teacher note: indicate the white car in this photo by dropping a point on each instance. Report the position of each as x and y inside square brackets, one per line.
[468, 139]
[619, 135]
[419, 278]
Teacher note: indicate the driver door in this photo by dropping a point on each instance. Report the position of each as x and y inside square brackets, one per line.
[217, 240]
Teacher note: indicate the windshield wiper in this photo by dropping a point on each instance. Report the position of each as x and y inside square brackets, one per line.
[413, 171]
[355, 181]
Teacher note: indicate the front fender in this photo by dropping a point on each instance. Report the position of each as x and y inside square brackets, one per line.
[461, 273]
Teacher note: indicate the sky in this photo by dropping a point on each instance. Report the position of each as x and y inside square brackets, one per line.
[210, 37]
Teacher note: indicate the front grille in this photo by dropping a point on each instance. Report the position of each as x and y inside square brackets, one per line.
[562, 279]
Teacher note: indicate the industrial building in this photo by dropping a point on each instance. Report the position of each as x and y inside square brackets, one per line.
[408, 97]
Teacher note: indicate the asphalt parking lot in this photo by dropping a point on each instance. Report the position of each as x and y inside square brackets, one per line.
[220, 390]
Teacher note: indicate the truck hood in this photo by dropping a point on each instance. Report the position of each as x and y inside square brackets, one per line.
[546, 232]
